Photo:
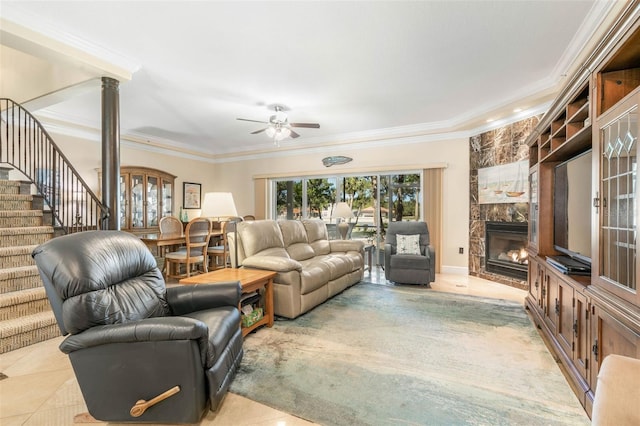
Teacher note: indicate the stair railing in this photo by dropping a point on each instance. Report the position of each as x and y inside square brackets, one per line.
[26, 146]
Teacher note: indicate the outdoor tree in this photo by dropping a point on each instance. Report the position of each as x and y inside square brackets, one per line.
[320, 195]
[289, 198]
[358, 192]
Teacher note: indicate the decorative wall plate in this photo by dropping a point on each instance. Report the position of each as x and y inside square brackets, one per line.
[336, 159]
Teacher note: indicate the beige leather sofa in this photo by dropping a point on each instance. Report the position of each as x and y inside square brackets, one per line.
[310, 267]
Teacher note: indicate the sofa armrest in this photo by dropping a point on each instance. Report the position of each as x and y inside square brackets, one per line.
[346, 245]
[185, 299]
[146, 330]
[272, 263]
[432, 262]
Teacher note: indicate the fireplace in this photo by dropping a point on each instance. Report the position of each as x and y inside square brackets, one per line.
[505, 249]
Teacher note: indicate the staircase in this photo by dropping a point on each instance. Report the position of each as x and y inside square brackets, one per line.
[25, 314]
[71, 206]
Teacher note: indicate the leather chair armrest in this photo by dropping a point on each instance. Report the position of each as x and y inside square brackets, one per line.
[146, 330]
[272, 263]
[185, 299]
[346, 245]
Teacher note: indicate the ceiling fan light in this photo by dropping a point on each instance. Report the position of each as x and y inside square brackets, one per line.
[271, 131]
[281, 133]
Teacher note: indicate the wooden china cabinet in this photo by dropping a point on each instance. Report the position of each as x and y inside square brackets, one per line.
[146, 195]
[585, 318]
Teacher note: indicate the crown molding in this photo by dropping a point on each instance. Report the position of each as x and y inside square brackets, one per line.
[600, 17]
[18, 30]
[56, 123]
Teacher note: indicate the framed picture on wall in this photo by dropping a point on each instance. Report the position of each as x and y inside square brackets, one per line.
[507, 183]
[191, 195]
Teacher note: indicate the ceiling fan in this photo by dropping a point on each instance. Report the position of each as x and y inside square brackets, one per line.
[279, 127]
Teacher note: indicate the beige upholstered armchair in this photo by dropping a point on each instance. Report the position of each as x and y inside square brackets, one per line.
[617, 393]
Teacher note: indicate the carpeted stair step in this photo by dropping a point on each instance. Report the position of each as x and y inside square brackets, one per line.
[23, 303]
[20, 218]
[20, 278]
[15, 202]
[9, 187]
[24, 236]
[14, 257]
[27, 330]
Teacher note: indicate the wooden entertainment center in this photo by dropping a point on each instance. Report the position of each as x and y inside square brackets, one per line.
[584, 318]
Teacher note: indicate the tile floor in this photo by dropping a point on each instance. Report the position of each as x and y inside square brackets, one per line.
[40, 387]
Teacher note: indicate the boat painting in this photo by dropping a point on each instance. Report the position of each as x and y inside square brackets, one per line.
[506, 183]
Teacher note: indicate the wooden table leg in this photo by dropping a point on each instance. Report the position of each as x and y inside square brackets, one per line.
[268, 301]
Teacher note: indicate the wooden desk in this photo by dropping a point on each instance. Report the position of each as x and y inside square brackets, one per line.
[250, 280]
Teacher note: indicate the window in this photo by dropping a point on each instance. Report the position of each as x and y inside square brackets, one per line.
[375, 200]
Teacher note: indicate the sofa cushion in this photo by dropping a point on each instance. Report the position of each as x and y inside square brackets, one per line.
[317, 236]
[294, 236]
[313, 276]
[409, 261]
[338, 265]
[261, 235]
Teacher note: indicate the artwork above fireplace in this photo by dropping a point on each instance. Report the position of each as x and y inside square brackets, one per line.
[506, 183]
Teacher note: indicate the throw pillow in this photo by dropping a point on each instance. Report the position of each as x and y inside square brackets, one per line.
[408, 244]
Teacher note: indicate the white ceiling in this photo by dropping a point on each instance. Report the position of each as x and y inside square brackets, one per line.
[364, 70]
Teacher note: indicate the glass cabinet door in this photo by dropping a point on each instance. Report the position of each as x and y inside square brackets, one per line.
[137, 202]
[152, 201]
[124, 202]
[167, 205]
[533, 210]
[618, 202]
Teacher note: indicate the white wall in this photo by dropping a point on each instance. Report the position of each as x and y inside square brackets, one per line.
[237, 177]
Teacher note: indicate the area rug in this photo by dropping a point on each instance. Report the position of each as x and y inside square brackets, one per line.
[382, 355]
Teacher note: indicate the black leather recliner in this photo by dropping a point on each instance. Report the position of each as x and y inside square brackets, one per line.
[417, 268]
[131, 338]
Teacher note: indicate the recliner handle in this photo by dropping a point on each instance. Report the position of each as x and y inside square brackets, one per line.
[141, 405]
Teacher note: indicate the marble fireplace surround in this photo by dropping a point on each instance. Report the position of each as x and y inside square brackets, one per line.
[503, 145]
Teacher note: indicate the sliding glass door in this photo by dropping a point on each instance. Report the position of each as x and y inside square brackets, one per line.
[375, 200]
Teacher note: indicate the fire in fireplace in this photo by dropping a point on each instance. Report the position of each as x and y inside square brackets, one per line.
[505, 253]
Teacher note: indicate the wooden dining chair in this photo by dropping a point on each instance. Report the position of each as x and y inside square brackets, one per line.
[219, 256]
[170, 225]
[218, 253]
[194, 253]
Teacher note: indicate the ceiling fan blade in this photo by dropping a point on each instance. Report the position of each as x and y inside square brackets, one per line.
[294, 134]
[259, 131]
[307, 125]
[253, 121]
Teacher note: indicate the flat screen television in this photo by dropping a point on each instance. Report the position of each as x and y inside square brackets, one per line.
[572, 208]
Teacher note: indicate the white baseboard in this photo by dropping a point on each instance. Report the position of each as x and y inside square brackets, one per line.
[457, 270]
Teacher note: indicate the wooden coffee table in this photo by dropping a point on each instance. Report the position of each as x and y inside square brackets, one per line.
[251, 280]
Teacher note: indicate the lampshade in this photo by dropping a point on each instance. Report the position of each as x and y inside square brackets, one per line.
[218, 204]
[342, 210]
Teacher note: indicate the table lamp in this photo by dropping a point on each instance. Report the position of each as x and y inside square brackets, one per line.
[344, 212]
[218, 205]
